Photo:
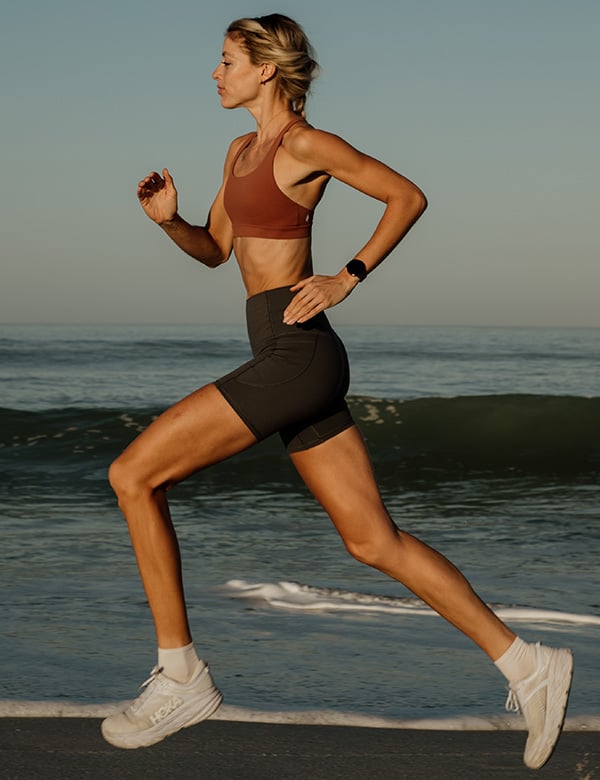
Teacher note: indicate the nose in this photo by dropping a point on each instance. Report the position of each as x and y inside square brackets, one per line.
[215, 73]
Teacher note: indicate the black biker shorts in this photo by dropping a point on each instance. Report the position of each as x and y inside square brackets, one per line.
[297, 380]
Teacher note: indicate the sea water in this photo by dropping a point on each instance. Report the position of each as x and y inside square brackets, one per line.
[486, 444]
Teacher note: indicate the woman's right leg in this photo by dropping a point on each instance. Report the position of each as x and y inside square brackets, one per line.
[200, 430]
[339, 474]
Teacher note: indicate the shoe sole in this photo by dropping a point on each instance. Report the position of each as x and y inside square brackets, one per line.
[557, 703]
[185, 716]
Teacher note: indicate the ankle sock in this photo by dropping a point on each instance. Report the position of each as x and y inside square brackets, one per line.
[178, 663]
[518, 662]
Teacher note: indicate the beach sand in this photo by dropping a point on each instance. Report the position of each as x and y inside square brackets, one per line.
[33, 748]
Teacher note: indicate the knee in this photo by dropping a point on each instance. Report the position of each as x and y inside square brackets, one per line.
[117, 477]
[125, 480]
[375, 551]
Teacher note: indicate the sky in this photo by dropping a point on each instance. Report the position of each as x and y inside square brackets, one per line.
[490, 107]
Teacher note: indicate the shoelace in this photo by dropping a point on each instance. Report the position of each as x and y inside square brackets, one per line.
[145, 687]
[153, 675]
[512, 703]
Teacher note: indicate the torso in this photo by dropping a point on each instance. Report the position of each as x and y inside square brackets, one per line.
[269, 262]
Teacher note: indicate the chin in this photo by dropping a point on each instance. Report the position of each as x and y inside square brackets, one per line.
[227, 103]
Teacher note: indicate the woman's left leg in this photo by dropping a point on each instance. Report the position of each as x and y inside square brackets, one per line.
[340, 476]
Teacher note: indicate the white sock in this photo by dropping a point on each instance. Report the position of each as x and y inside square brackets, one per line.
[178, 663]
[518, 662]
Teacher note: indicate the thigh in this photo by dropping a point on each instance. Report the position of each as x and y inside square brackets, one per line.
[200, 430]
[340, 476]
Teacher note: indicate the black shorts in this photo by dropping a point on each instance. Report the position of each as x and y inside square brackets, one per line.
[296, 382]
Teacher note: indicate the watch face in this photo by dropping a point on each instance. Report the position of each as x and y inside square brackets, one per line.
[357, 268]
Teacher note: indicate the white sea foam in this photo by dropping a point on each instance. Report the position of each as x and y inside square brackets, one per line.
[292, 595]
[56, 709]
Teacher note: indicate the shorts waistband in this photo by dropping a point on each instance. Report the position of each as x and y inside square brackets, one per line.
[264, 316]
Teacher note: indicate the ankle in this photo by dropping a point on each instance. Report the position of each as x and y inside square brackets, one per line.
[178, 663]
[518, 662]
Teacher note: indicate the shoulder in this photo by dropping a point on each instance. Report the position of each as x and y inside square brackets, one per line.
[238, 142]
[310, 145]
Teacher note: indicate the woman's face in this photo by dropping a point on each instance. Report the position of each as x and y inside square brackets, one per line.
[238, 80]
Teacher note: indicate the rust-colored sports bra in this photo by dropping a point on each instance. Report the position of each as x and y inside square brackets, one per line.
[257, 207]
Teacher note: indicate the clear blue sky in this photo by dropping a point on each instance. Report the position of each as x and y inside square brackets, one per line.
[491, 107]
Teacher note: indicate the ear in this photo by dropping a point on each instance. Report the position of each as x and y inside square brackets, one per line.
[267, 71]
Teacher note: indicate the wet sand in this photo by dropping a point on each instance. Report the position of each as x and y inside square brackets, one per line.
[63, 748]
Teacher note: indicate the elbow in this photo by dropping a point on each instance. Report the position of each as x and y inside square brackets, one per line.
[410, 203]
[219, 253]
[221, 257]
[216, 260]
[418, 203]
[213, 263]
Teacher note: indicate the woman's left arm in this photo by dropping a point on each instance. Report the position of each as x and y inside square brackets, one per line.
[404, 204]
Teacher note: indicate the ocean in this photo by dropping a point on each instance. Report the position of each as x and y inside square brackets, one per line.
[485, 442]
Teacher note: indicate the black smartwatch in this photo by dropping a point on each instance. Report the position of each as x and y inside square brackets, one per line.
[357, 268]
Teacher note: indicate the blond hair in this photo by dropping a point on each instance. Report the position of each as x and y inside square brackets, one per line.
[281, 41]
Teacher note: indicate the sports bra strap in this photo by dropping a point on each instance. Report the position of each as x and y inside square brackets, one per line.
[274, 146]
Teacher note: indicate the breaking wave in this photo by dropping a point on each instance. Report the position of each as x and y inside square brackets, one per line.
[492, 432]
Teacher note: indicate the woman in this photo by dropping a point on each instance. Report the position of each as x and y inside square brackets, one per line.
[295, 385]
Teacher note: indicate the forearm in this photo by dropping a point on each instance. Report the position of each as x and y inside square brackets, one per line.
[194, 240]
[399, 216]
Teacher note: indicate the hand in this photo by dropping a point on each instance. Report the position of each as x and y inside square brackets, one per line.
[317, 293]
[158, 196]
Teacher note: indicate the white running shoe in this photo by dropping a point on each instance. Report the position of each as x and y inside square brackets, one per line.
[164, 707]
[542, 698]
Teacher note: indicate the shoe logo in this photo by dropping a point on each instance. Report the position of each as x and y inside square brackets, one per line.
[167, 708]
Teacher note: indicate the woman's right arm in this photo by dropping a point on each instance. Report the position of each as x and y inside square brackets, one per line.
[211, 244]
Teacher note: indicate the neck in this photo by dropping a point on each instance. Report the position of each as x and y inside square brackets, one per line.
[269, 124]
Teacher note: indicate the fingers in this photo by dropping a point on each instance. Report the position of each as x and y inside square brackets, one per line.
[152, 184]
[157, 196]
[313, 295]
[302, 311]
[299, 285]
